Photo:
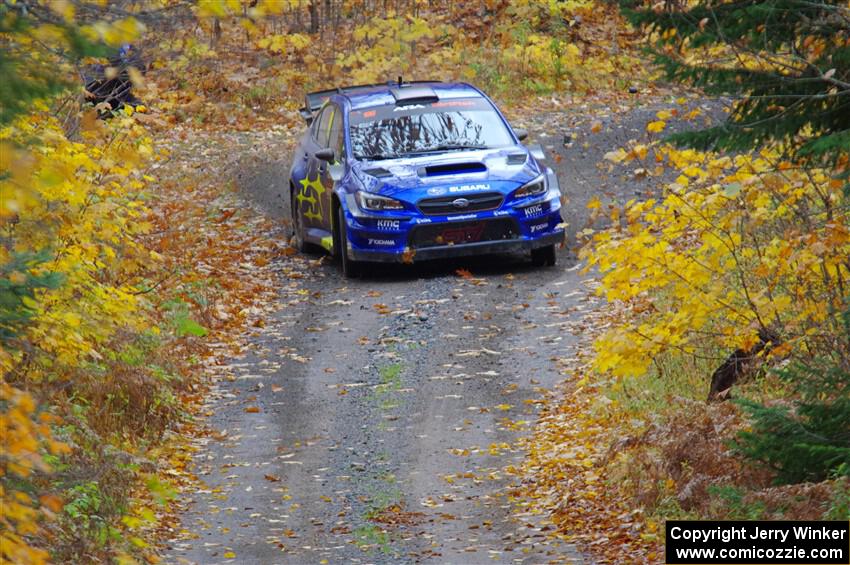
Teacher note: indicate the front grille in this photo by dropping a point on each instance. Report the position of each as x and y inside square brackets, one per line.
[455, 233]
[474, 203]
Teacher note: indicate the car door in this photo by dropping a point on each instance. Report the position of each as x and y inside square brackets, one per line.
[314, 194]
[302, 172]
[308, 186]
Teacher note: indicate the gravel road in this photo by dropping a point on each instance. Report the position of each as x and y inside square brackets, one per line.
[373, 422]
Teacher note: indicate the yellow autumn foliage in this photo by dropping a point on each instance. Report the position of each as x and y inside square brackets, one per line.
[388, 45]
[24, 435]
[71, 212]
[81, 202]
[737, 245]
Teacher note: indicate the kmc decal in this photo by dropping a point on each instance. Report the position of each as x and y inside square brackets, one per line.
[388, 224]
[532, 211]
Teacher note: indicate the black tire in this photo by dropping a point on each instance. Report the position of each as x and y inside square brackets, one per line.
[351, 269]
[297, 222]
[544, 256]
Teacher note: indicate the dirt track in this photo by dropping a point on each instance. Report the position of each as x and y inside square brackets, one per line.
[381, 412]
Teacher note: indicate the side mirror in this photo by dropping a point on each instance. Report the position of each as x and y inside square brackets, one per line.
[307, 115]
[521, 133]
[326, 154]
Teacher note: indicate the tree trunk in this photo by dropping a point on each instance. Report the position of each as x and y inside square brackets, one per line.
[314, 16]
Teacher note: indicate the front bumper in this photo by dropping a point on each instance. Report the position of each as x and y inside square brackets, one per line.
[405, 239]
[459, 250]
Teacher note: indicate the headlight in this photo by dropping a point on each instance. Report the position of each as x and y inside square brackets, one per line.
[376, 202]
[534, 188]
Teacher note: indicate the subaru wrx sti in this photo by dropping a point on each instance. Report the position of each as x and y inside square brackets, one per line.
[402, 172]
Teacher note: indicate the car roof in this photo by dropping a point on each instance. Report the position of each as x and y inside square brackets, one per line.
[380, 95]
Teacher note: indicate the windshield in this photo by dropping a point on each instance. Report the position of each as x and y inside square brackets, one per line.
[391, 131]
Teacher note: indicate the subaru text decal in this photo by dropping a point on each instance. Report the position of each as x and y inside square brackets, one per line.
[469, 187]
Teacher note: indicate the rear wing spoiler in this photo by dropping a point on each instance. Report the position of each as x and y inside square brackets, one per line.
[315, 100]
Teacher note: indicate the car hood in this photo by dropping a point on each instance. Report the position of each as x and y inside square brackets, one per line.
[412, 178]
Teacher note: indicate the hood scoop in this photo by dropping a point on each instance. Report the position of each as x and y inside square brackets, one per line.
[449, 169]
[517, 159]
[379, 172]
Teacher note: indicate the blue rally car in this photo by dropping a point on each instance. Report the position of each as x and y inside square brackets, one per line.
[404, 172]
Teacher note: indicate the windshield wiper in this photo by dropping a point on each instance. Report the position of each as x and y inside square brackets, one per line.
[378, 156]
[447, 147]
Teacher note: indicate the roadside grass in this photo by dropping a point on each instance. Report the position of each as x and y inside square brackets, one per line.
[390, 373]
[383, 494]
[672, 376]
[390, 382]
[383, 497]
[370, 536]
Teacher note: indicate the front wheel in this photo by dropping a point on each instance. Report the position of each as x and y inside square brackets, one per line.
[544, 256]
[350, 269]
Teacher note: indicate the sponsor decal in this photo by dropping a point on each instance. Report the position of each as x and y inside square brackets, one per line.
[436, 191]
[461, 234]
[422, 220]
[408, 107]
[469, 187]
[462, 217]
[453, 104]
[388, 224]
[539, 227]
[502, 213]
[381, 241]
[532, 211]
